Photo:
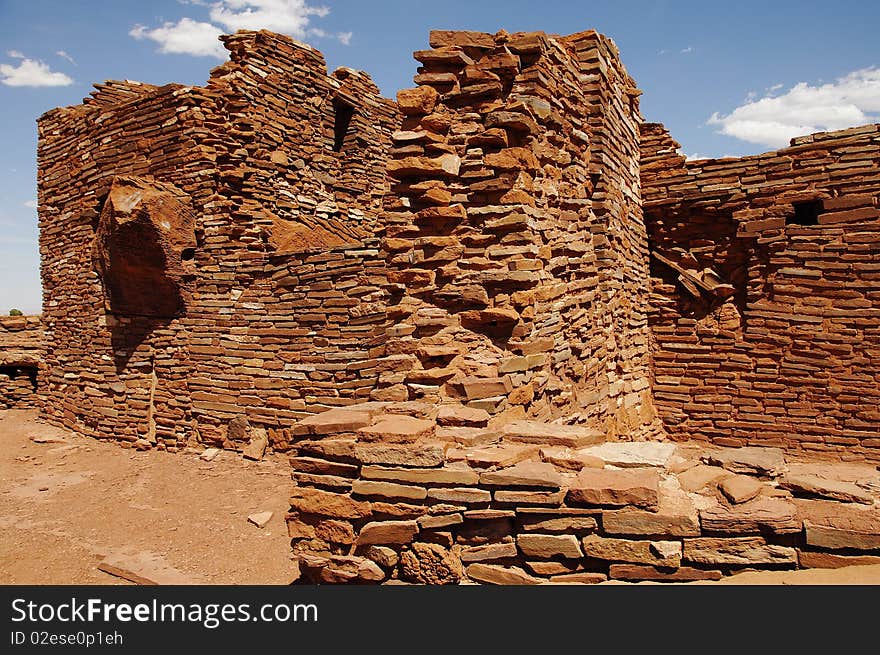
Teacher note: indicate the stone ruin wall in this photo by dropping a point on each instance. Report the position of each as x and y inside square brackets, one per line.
[267, 286]
[506, 268]
[515, 233]
[21, 343]
[779, 344]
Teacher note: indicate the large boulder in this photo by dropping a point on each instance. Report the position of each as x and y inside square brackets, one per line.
[144, 248]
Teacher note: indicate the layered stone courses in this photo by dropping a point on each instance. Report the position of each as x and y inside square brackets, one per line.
[471, 316]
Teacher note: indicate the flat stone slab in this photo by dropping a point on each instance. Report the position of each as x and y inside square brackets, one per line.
[636, 572]
[762, 514]
[524, 474]
[809, 559]
[447, 475]
[666, 553]
[388, 532]
[551, 434]
[333, 421]
[837, 526]
[414, 455]
[676, 516]
[639, 487]
[500, 455]
[749, 460]
[397, 428]
[570, 459]
[461, 416]
[701, 477]
[631, 454]
[739, 551]
[546, 546]
[260, 519]
[501, 575]
[812, 485]
[739, 489]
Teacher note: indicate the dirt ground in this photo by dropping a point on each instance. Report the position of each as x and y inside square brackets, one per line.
[67, 502]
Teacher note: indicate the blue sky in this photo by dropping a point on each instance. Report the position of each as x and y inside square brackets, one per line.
[727, 78]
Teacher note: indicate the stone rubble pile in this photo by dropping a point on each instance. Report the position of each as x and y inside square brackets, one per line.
[402, 492]
[21, 351]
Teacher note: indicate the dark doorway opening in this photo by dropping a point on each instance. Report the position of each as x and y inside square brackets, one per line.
[343, 113]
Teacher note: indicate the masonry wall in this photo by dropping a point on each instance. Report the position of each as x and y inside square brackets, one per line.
[21, 340]
[259, 158]
[779, 343]
[514, 233]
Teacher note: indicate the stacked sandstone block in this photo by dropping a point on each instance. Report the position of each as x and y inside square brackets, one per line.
[514, 234]
[283, 167]
[403, 492]
[777, 342]
[21, 349]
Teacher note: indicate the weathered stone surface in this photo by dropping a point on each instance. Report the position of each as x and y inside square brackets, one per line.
[667, 554]
[631, 454]
[549, 545]
[388, 490]
[468, 496]
[336, 449]
[811, 559]
[500, 456]
[523, 497]
[676, 516]
[440, 521]
[144, 230]
[333, 421]
[322, 467]
[257, 446]
[420, 100]
[551, 434]
[570, 459]
[637, 572]
[740, 488]
[639, 487]
[430, 564]
[476, 388]
[524, 474]
[452, 476]
[811, 485]
[762, 514]
[552, 523]
[383, 556]
[260, 519]
[416, 455]
[836, 526]
[583, 577]
[459, 415]
[326, 503]
[701, 477]
[741, 551]
[500, 575]
[749, 459]
[397, 428]
[489, 552]
[388, 532]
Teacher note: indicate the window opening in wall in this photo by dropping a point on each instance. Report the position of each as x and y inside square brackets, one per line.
[343, 113]
[805, 213]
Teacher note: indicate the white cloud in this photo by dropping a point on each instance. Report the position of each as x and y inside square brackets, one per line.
[64, 55]
[30, 72]
[188, 36]
[30, 204]
[687, 51]
[284, 16]
[185, 37]
[773, 120]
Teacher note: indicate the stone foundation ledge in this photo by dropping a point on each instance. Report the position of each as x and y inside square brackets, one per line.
[385, 496]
